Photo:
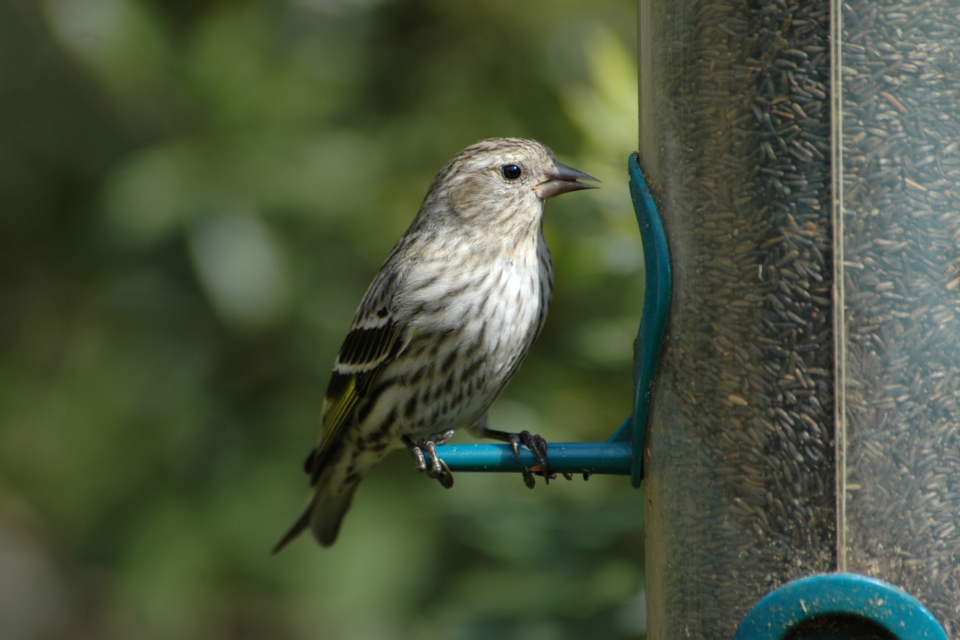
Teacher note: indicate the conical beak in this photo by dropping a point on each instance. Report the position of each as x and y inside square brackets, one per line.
[562, 179]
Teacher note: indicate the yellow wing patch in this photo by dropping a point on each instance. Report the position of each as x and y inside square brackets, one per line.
[337, 408]
[364, 352]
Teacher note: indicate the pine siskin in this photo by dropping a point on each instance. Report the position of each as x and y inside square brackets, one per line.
[443, 327]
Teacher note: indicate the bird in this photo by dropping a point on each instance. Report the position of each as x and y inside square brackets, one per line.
[443, 327]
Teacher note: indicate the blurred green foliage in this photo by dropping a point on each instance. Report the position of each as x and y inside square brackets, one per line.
[195, 197]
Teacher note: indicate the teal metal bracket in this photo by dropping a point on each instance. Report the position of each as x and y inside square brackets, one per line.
[839, 594]
[622, 453]
[656, 306]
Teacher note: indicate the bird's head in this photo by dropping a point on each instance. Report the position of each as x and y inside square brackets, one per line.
[506, 179]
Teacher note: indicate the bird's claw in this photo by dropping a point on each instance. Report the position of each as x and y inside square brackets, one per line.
[437, 468]
[445, 478]
[417, 454]
[528, 479]
[538, 447]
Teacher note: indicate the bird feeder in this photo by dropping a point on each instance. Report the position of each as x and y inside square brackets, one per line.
[802, 456]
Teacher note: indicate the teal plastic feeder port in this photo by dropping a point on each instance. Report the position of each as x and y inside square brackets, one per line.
[839, 606]
[622, 453]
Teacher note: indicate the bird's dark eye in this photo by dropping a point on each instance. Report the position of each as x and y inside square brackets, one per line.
[510, 171]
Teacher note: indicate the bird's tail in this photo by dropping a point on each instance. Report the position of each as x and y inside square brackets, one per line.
[323, 515]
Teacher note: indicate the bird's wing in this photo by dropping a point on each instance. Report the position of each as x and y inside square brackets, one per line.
[363, 354]
[375, 338]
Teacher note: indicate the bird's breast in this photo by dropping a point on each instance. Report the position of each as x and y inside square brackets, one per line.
[515, 297]
[499, 298]
[473, 324]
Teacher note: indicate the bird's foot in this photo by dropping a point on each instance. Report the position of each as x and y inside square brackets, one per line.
[437, 468]
[536, 445]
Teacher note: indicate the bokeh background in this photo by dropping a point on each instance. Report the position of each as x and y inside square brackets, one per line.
[194, 196]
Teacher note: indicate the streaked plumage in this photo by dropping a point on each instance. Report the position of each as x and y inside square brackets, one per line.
[445, 324]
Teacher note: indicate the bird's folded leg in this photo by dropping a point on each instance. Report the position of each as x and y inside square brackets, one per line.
[537, 446]
[437, 468]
